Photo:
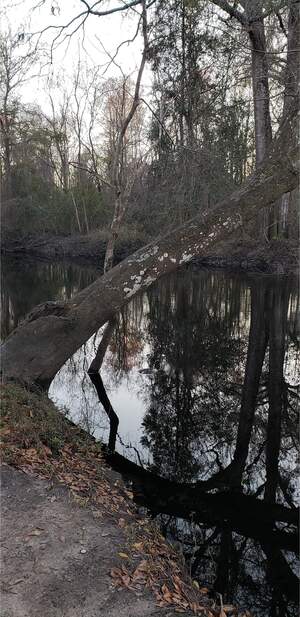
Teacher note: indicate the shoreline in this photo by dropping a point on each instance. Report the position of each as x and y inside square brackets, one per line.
[54, 471]
[278, 257]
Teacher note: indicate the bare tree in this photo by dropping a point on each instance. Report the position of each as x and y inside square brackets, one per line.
[58, 125]
[117, 167]
[63, 327]
[16, 61]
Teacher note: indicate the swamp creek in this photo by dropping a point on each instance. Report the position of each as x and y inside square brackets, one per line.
[202, 371]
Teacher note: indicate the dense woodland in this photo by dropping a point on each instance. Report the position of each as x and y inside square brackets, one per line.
[101, 153]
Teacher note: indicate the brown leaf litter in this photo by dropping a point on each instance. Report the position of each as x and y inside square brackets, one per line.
[148, 560]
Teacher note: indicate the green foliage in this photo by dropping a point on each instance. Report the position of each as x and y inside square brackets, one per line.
[40, 206]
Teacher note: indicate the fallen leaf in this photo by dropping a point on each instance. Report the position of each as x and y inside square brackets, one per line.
[138, 545]
[36, 532]
[5, 431]
[115, 573]
[194, 606]
[123, 555]
[121, 522]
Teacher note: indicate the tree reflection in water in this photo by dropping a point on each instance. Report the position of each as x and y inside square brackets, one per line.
[211, 363]
[211, 422]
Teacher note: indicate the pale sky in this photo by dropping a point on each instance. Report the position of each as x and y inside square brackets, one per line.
[99, 34]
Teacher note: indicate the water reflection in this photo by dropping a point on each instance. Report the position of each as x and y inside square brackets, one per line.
[202, 371]
[210, 363]
[27, 282]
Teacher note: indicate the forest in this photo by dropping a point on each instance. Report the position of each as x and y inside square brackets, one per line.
[149, 188]
[220, 81]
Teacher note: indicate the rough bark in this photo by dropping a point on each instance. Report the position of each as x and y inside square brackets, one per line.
[261, 102]
[260, 86]
[54, 331]
[291, 91]
[292, 75]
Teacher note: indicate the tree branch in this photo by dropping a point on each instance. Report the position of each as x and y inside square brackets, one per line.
[231, 10]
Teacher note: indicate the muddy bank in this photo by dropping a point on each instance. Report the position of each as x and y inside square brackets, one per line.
[78, 247]
[274, 257]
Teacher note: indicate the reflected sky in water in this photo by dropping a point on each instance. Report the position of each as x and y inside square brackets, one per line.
[202, 371]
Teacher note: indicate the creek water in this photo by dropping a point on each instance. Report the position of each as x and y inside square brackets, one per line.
[203, 372]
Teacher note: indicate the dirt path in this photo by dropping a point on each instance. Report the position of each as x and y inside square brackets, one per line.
[57, 556]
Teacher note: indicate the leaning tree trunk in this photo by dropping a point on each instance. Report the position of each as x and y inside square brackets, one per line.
[54, 331]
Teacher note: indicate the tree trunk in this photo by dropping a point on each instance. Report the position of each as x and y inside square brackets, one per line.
[118, 166]
[277, 317]
[261, 103]
[104, 400]
[258, 340]
[292, 84]
[292, 75]
[230, 510]
[119, 212]
[54, 331]
[244, 514]
[260, 86]
[6, 137]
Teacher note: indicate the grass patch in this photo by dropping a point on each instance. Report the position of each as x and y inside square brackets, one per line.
[39, 439]
[32, 421]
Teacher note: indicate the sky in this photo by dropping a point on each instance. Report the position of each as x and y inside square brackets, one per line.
[96, 43]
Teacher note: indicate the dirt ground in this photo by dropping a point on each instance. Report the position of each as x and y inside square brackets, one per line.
[57, 556]
[73, 541]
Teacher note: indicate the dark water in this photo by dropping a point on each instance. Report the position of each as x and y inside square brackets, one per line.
[202, 371]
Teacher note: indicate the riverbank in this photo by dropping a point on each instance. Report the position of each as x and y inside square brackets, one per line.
[86, 248]
[69, 522]
[274, 257]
